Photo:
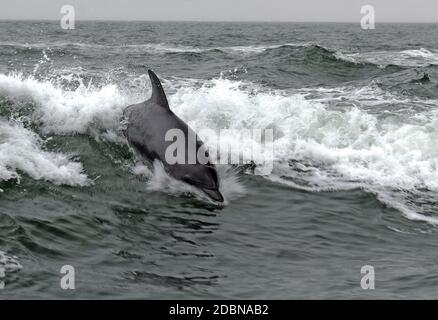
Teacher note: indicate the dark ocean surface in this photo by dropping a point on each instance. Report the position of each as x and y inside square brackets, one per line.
[355, 161]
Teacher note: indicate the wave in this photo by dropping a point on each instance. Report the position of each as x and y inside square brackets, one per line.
[255, 49]
[155, 47]
[66, 111]
[21, 150]
[308, 129]
[321, 148]
[325, 139]
[405, 58]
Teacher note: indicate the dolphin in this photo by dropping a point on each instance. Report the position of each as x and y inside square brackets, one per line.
[146, 128]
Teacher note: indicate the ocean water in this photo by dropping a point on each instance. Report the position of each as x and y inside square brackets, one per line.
[355, 161]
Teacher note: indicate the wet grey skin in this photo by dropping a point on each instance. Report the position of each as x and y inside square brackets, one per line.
[147, 124]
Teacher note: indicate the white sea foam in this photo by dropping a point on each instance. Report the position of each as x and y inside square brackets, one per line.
[58, 111]
[230, 187]
[254, 49]
[358, 144]
[21, 150]
[61, 111]
[337, 148]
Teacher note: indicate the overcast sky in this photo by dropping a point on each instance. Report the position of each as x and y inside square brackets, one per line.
[224, 10]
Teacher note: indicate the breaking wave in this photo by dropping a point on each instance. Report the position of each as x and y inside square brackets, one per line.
[405, 58]
[21, 150]
[318, 146]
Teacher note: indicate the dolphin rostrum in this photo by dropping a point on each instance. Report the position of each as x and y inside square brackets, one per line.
[148, 123]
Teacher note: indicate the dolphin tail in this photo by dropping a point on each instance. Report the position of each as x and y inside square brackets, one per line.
[158, 95]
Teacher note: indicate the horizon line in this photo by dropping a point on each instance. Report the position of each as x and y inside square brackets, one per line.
[216, 21]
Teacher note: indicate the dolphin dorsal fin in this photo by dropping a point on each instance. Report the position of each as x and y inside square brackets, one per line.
[158, 95]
